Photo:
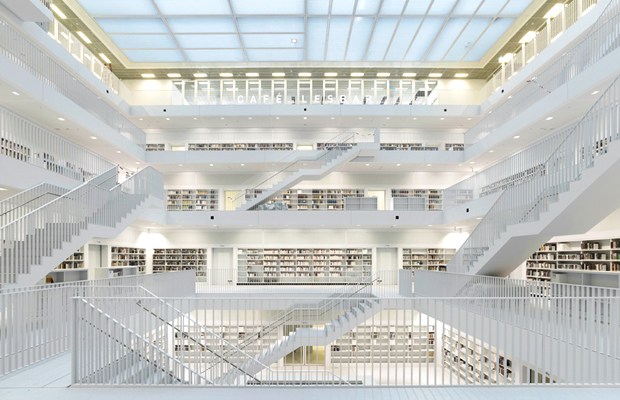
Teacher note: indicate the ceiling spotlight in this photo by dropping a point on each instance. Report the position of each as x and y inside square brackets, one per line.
[305, 117]
[435, 75]
[61, 119]
[479, 218]
[367, 165]
[195, 119]
[442, 118]
[118, 151]
[469, 119]
[167, 119]
[174, 75]
[387, 117]
[138, 162]
[293, 40]
[200, 75]
[357, 74]
[461, 75]
[84, 37]
[277, 117]
[55, 8]
[180, 165]
[554, 11]
[430, 225]
[528, 37]
[105, 58]
[506, 58]
[383, 74]
[333, 117]
[491, 151]
[210, 165]
[516, 137]
[414, 118]
[549, 118]
[16, 94]
[428, 165]
[398, 165]
[3, 189]
[243, 165]
[94, 137]
[409, 74]
[278, 74]
[471, 162]
[595, 92]
[304, 74]
[251, 74]
[221, 117]
[460, 165]
[249, 117]
[148, 75]
[331, 74]
[226, 74]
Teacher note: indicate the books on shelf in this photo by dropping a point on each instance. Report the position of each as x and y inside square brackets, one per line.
[193, 200]
[239, 146]
[434, 259]
[165, 260]
[128, 257]
[417, 199]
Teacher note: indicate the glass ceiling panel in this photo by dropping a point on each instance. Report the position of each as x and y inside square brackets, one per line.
[119, 7]
[392, 7]
[338, 34]
[402, 39]
[428, 31]
[468, 38]
[317, 35]
[491, 7]
[155, 55]
[417, 7]
[270, 24]
[446, 38]
[144, 41]
[193, 7]
[202, 25]
[381, 38]
[209, 41]
[273, 40]
[367, 7]
[275, 55]
[232, 55]
[488, 39]
[343, 7]
[132, 25]
[467, 7]
[271, 7]
[516, 7]
[360, 35]
[442, 7]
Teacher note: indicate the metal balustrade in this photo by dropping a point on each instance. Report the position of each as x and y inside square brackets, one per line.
[24, 242]
[448, 284]
[24, 141]
[20, 50]
[35, 321]
[397, 342]
[27, 201]
[602, 38]
[523, 203]
[545, 35]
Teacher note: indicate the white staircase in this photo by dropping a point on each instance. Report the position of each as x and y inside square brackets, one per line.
[573, 192]
[35, 243]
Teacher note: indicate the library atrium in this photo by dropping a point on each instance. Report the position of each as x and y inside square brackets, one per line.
[338, 198]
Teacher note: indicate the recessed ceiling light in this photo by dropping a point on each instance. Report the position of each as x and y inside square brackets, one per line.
[414, 118]
[174, 75]
[333, 117]
[469, 119]
[360, 117]
[430, 225]
[16, 94]
[167, 119]
[383, 74]
[478, 217]
[243, 165]
[195, 119]
[278, 74]
[105, 58]
[428, 165]
[442, 118]
[84, 37]
[148, 75]
[249, 117]
[305, 74]
[367, 165]
[549, 118]
[141, 119]
[210, 165]
[138, 162]
[277, 117]
[61, 119]
[516, 137]
[305, 117]
[506, 58]
[357, 74]
[226, 74]
[180, 165]
[460, 165]
[251, 74]
[331, 74]
[293, 40]
[200, 75]
[387, 117]
[471, 162]
[528, 37]
[55, 8]
[398, 165]
[118, 151]
[221, 117]
[409, 74]
[554, 11]
[461, 75]
[94, 137]
[595, 92]
[3, 189]
[491, 151]
[435, 75]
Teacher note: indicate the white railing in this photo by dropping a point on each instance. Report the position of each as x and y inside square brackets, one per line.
[26, 240]
[545, 35]
[29, 200]
[35, 321]
[24, 141]
[524, 202]
[30, 57]
[81, 53]
[602, 38]
[447, 284]
[405, 342]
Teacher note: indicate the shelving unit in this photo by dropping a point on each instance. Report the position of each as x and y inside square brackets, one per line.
[239, 146]
[361, 203]
[72, 269]
[433, 199]
[14, 150]
[155, 147]
[193, 200]
[409, 147]
[455, 147]
[334, 146]
[315, 199]
[473, 361]
[381, 343]
[427, 259]
[128, 257]
[302, 266]
[165, 260]
[587, 257]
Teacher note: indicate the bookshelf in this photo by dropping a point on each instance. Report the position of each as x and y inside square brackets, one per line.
[432, 198]
[474, 362]
[427, 259]
[334, 146]
[155, 147]
[385, 343]
[585, 257]
[165, 260]
[302, 266]
[72, 269]
[239, 146]
[455, 147]
[313, 199]
[193, 200]
[128, 257]
[409, 147]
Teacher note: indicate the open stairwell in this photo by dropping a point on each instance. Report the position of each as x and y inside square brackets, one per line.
[572, 193]
[37, 242]
[280, 181]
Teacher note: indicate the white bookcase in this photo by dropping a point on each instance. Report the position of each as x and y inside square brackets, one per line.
[165, 260]
[302, 266]
[385, 343]
[432, 198]
[314, 199]
[435, 259]
[155, 147]
[193, 200]
[239, 146]
[122, 257]
[72, 269]
[409, 147]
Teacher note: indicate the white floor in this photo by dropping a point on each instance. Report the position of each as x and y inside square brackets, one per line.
[49, 380]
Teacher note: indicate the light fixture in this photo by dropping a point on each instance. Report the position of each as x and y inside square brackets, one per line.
[516, 137]
[251, 74]
[383, 74]
[415, 118]
[435, 75]
[428, 165]
[331, 74]
[304, 74]
[167, 119]
[506, 58]
[61, 119]
[195, 119]
[226, 74]
[174, 75]
[460, 165]
[409, 74]
[549, 118]
[200, 75]
[141, 119]
[61, 14]
[249, 117]
[360, 118]
[16, 94]
[430, 225]
[461, 75]
[94, 137]
[491, 151]
[243, 165]
[442, 118]
[180, 165]
[138, 162]
[210, 165]
[333, 117]
[471, 162]
[293, 40]
[478, 217]
[367, 165]
[555, 10]
[105, 58]
[357, 74]
[278, 74]
[148, 75]
[277, 117]
[84, 37]
[528, 37]
[469, 119]
[595, 92]
[221, 117]
[387, 117]
[398, 165]
[305, 117]
[3, 189]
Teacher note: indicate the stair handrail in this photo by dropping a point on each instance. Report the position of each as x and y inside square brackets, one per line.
[576, 152]
[21, 199]
[144, 341]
